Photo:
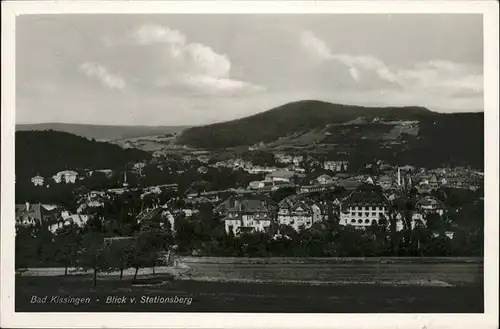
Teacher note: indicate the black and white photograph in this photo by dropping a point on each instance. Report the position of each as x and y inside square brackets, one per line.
[250, 162]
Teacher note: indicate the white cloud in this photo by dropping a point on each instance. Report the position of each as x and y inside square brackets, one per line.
[439, 77]
[150, 34]
[99, 72]
[315, 45]
[209, 85]
[162, 57]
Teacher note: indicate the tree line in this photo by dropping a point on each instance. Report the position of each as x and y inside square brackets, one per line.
[86, 249]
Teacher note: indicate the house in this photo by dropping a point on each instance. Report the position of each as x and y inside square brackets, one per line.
[315, 188]
[386, 182]
[259, 170]
[416, 219]
[335, 166]
[159, 153]
[297, 160]
[299, 212]
[281, 175]
[257, 185]
[246, 214]
[324, 179]
[202, 170]
[35, 214]
[37, 180]
[68, 219]
[283, 158]
[433, 183]
[65, 176]
[430, 204]
[139, 166]
[363, 207]
[203, 158]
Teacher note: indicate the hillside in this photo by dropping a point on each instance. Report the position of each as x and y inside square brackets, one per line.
[411, 135]
[102, 132]
[288, 119]
[47, 152]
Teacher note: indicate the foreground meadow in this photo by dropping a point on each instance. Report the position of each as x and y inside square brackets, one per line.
[276, 285]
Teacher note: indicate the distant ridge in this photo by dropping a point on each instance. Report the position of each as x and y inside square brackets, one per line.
[102, 132]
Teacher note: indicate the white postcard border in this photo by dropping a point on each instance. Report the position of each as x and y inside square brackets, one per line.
[11, 319]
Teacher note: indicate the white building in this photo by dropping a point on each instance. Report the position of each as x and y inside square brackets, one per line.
[324, 179]
[68, 219]
[335, 166]
[243, 214]
[362, 208]
[283, 158]
[297, 160]
[66, 176]
[416, 219]
[257, 185]
[281, 175]
[260, 170]
[299, 212]
[37, 180]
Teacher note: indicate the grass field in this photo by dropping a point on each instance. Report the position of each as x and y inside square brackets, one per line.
[277, 285]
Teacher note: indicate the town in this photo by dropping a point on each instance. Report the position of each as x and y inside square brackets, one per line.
[197, 198]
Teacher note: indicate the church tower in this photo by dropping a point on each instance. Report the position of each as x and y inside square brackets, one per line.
[125, 184]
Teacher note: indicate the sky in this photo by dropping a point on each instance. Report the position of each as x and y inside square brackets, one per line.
[181, 69]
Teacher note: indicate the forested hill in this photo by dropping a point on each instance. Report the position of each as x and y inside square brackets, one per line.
[404, 135]
[288, 119]
[47, 152]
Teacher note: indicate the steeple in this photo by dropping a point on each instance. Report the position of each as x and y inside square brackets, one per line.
[125, 184]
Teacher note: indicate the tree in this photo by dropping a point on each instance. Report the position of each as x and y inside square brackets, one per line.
[66, 243]
[92, 254]
[118, 252]
[283, 193]
[144, 251]
[25, 248]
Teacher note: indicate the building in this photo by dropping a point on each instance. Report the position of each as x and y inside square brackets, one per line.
[430, 204]
[283, 158]
[37, 180]
[324, 179]
[246, 214]
[68, 219]
[35, 214]
[299, 212]
[203, 158]
[66, 176]
[297, 160]
[256, 185]
[386, 182]
[107, 172]
[316, 188]
[259, 170]
[433, 183]
[336, 166]
[363, 207]
[281, 175]
[202, 170]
